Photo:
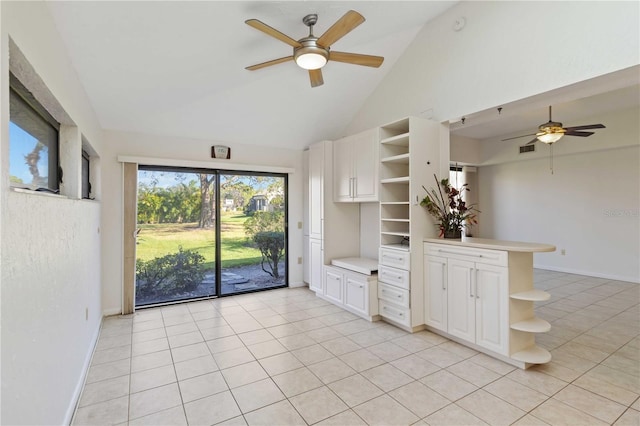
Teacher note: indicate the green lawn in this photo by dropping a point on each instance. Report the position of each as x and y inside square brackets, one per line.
[158, 240]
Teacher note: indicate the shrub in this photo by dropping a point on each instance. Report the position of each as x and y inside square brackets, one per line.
[271, 245]
[170, 274]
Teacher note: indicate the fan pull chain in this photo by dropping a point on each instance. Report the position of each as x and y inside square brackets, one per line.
[551, 158]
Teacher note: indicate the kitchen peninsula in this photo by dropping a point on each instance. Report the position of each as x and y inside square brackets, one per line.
[479, 292]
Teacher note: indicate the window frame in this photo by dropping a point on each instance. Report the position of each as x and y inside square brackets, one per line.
[28, 101]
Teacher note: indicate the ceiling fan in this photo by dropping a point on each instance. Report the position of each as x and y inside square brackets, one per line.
[311, 52]
[552, 131]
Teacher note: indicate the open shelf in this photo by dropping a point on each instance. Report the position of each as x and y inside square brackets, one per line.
[400, 140]
[534, 325]
[397, 234]
[533, 355]
[401, 179]
[394, 220]
[532, 296]
[395, 203]
[400, 159]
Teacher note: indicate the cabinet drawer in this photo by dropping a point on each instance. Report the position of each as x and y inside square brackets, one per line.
[395, 258]
[477, 255]
[394, 276]
[394, 313]
[393, 294]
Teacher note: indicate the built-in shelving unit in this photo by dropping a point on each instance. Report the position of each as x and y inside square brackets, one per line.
[524, 329]
[534, 325]
[533, 355]
[410, 154]
[394, 181]
[532, 296]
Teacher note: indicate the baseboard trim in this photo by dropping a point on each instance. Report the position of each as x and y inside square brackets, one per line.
[77, 393]
[111, 312]
[635, 280]
[298, 284]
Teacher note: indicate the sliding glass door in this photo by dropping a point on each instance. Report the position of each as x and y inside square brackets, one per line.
[203, 233]
[253, 249]
[176, 236]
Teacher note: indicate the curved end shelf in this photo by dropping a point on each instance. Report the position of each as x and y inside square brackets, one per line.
[533, 355]
[534, 325]
[532, 296]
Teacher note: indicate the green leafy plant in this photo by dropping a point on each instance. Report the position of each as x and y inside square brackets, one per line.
[447, 206]
[271, 245]
[172, 274]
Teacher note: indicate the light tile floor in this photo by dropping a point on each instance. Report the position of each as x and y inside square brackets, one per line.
[286, 357]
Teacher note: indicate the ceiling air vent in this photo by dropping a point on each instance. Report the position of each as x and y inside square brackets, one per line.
[527, 148]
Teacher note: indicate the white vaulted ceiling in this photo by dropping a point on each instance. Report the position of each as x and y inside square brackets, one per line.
[177, 68]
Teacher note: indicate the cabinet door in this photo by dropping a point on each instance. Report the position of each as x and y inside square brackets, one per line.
[333, 285]
[315, 265]
[461, 300]
[342, 171]
[492, 317]
[356, 294]
[365, 166]
[435, 293]
[316, 189]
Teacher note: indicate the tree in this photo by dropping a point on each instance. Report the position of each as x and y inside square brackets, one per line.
[207, 199]
[266, 229]
[271, 245]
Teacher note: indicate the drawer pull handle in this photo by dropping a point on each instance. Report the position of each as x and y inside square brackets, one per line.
[399, 296]
[400, 314]
[361, 286]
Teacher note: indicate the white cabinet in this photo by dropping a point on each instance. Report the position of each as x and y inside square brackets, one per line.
[333, 285]
[352, 291]
[329, 230]
[476, 295]
[477, 304]
[394, 295]
[316, 190]
[315, 264]
[355, 160]
[492, 307]
[435, 276]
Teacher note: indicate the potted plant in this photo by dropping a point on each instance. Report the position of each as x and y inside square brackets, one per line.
[448, 208]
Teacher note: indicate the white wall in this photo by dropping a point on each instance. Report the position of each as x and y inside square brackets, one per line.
[50, 247]
[507, 51]
[121, 143]
[589, 206]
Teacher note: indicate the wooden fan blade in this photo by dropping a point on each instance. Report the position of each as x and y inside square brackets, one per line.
[585, 127]
[269, 63]
[261, 26]
[518, 137]
[577, 133]
[316, 77]
[532, 141]
[342, 27]
[356, 59]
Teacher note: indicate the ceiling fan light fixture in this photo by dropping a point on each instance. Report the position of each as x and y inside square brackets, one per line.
[550, 138]
[311, 57]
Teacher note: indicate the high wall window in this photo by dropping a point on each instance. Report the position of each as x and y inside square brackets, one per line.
[33, 141]
[86, 183]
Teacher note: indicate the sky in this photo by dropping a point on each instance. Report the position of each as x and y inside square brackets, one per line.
[21, 144]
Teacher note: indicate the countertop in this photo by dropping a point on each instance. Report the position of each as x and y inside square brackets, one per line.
[361, 265]
[486, 243]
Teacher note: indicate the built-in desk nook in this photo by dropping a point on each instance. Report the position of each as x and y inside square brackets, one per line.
[479, 292]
